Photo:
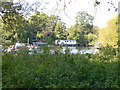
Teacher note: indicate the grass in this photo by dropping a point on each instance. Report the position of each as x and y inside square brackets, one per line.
[45, 70]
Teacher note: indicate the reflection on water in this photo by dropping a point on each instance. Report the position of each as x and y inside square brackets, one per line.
[76, 50]
[73, 50]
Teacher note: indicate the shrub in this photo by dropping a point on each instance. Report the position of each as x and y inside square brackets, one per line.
[46, 70]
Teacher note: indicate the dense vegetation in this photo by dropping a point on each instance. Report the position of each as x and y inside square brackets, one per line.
[45, 70]
[58, 70]
[109, 34]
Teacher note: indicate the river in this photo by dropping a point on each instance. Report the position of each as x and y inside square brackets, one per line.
[75, 50]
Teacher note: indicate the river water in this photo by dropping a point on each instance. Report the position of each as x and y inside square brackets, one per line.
[73, 50]
[76, 50]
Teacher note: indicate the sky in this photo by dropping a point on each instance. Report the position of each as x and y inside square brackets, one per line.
[100, 13]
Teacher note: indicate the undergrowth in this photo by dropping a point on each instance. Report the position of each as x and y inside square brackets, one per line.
[58, 70]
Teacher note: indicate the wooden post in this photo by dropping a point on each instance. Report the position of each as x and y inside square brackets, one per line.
[28, 41]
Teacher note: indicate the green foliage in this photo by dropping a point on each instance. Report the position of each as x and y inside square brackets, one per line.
[107, 54]
[46, 70]
[91, 38]
[82, 31]
[11, 20]
[39, 26]
[85, 22]
[60, 31]
[108, 50]
[75, 33]
[38, 23]
[109, 34]
[17, 30]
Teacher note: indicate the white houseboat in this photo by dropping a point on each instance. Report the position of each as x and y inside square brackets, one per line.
[65, 42]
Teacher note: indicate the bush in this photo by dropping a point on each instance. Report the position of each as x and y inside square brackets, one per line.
[46, 70]
[107, 53]
[108, 50]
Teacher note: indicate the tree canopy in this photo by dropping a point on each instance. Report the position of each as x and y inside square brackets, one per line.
[17, 28]
[109, 34]
[82, 31]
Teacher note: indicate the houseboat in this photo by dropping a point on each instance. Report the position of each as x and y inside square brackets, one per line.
[65, 42]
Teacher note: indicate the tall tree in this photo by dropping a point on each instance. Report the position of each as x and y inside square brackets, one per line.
[13, 17]
[51, 25]
[15, 32]
[93, 37]
[60, 30]
[83, 29]
[75, 33]
[9, 14]
[47, 28]
[109, 34]
[38, 22]
[85, 22]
